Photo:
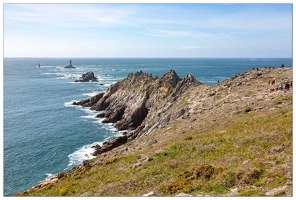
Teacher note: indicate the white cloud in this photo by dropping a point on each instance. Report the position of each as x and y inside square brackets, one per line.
[143, 29]
[180, 33]
[67, 15]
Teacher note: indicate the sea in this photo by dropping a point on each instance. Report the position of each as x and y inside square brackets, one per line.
[44, 134]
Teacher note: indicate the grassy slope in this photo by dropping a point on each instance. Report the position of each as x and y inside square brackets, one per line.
[244, 144]
[248, 151]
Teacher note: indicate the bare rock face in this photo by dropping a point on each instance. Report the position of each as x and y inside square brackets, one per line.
[107, 146]
[87, 77]
[89, 102]
[128, 102]
[141, 102]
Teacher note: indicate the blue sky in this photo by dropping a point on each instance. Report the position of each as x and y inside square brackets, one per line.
[147, 30]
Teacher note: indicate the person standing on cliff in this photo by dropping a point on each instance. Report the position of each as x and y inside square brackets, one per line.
[287, 86]
[281, 86]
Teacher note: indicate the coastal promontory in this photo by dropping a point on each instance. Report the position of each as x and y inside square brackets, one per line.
[185, 138]
[135, 103]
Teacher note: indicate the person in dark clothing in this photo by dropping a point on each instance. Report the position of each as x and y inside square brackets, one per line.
[287, 86]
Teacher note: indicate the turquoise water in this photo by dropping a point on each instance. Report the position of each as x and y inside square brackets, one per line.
[44, 134]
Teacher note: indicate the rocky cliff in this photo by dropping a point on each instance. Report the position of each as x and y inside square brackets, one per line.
[229, 139]
[141, 102]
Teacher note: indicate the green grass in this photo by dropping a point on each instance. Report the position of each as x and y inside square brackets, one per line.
[207, 162]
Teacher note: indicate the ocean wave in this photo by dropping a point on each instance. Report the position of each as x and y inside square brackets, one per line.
[90, 94]
[81, 154]
[90, 114]
[49, 175]
[69, 103]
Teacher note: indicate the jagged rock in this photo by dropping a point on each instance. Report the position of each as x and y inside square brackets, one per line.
[91, 101]
[109, 145]
[138, 102]
[87, 77]
[132, 103]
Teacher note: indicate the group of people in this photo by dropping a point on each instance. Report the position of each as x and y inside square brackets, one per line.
[282, 86]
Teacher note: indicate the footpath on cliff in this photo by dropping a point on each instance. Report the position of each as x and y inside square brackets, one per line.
[229, 139]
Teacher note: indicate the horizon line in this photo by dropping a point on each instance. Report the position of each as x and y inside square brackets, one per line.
[11, 57]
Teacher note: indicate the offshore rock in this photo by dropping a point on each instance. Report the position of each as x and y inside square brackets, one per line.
[87, 77]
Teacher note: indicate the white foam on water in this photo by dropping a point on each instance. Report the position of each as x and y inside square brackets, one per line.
[49, 175]
[69, 103]
[90, 114]
[90, 94]
[81, 154]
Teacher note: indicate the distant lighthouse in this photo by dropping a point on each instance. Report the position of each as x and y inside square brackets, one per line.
[70, 65]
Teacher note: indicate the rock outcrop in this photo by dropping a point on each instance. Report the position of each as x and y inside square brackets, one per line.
[88, 77]
[89, 102]
[128, 102]
[109, 145]
[141, 102]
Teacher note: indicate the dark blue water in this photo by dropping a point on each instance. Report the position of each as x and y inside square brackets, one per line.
[44, 134]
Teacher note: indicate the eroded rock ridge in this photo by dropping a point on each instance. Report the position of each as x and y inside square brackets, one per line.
[141, 102]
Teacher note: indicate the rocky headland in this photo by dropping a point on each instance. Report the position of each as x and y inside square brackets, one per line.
[87, 77]
[188, 139]
[141, 103]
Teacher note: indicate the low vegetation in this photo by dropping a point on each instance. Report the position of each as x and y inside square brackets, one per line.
[249, 152]
[240, 147]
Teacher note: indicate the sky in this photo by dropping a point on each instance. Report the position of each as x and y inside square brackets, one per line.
[147, 30]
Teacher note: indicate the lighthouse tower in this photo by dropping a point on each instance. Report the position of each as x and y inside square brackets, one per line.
[70, 65]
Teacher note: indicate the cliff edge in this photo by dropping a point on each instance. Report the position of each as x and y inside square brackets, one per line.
[190, 139]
